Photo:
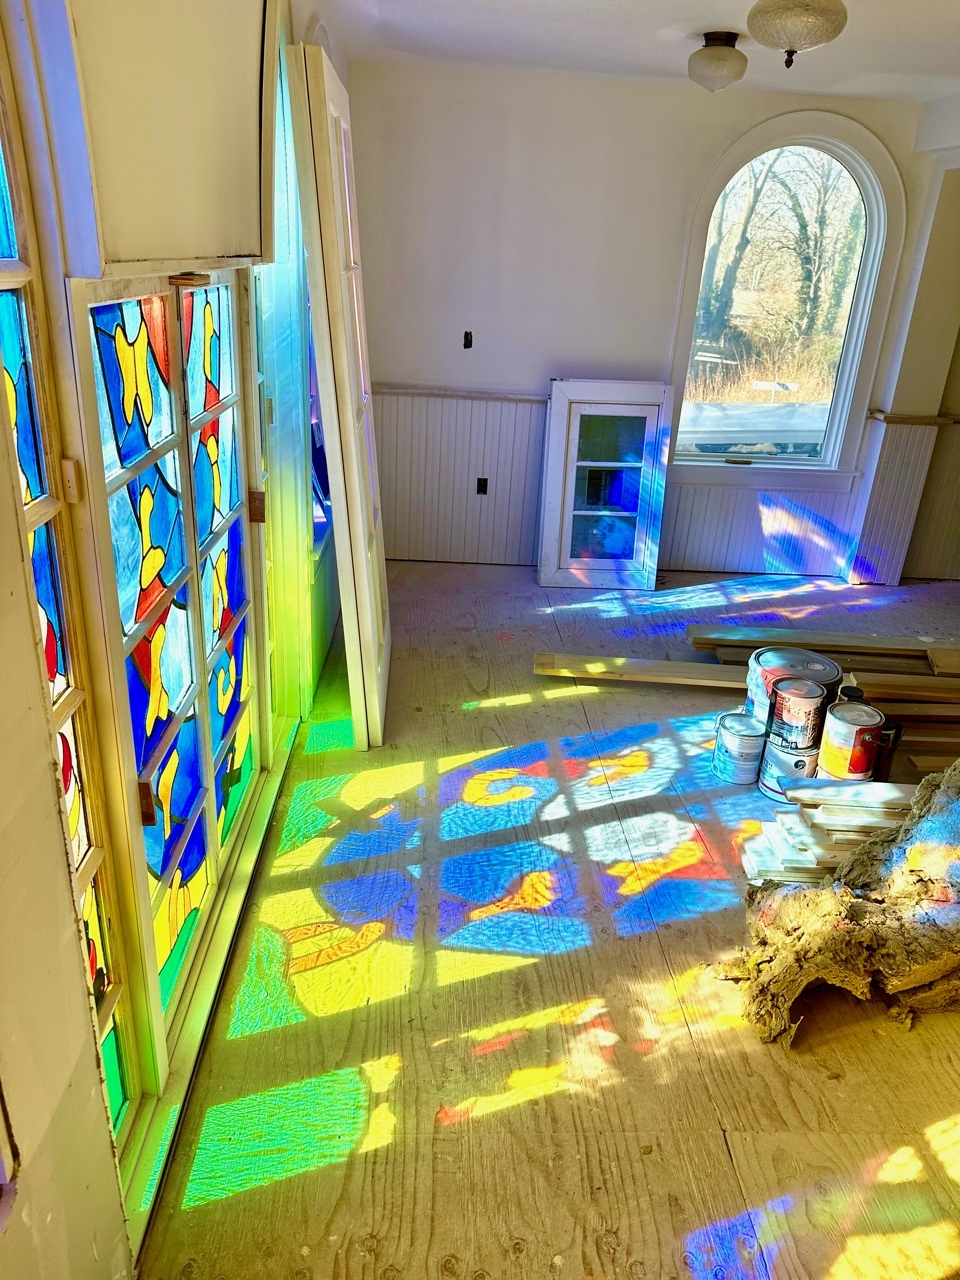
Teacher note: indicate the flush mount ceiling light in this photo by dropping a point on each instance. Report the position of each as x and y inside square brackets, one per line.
[794, 26]
[719, 63]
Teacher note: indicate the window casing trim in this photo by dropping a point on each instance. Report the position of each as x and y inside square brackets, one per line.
[876, 174]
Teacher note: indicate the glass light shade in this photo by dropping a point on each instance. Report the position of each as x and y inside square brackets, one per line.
[796, 25]
[715, 67]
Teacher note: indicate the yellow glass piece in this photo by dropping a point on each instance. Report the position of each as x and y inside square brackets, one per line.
[926, 1253]
[904, 1165]
[522, 1086]
[11, 387]
[559, 1014]
[209, 333]
[153, 558]
[446, 764]
[301, 859]
[74, 810]
[226, 683]
[165, 790]
[382, 1072]
[220, 593]
[381, 784]
[477, 789]
[944, 1140]
[132, 359]
[158, 705]
[464, 966]
[179, 901]
[213, 453]
[380, 1128]
[637, 876]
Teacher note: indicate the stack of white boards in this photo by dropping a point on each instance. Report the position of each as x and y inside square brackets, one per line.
[823, 824]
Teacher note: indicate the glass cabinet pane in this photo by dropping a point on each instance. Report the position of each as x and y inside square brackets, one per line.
[607, 489]
[608, 437]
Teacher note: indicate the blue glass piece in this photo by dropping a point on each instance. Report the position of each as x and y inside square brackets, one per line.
[233, 774]
[131, 374]
[146, 526]
[8, 232]
[216, 473]
[222, 584]
[208, 337]
[365, 898]
[159, 673]
[194, 852]
[227, 684]
[175, 786]
[46, 577]
[21, 401]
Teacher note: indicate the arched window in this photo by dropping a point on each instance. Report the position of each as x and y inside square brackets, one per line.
[781, 310]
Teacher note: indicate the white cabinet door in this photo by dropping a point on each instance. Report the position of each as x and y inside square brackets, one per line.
[322, 137]
[603, 483]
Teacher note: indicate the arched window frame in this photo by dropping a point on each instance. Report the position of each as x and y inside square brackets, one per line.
[876, 174]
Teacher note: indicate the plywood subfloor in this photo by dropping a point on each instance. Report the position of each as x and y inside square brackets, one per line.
[469, 1030]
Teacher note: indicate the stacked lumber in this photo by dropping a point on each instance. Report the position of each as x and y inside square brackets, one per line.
[896, 655]
[928, 707]
[823, 824]
[641, 670]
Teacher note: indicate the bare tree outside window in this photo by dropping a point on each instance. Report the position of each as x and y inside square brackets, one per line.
[779, 274]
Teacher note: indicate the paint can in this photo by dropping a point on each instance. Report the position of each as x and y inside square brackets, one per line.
[781, 762]
[851, 735]
[739, 746]
[797, 709]
[767, 665]
[850, 693]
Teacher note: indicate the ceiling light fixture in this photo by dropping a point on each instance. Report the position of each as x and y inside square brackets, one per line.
[719, 63]
[794, 26]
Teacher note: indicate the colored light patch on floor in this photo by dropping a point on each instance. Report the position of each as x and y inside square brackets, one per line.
[335, 735]
[390, 835]
[503, 791]
[306, 818]
[381, 784]
[925, 1253]
[744, 1247]
[264, 1002]
[302, 858]
[467, 966]
[387, 896]
[274, 1135]
[523, 1085]
[671, 900]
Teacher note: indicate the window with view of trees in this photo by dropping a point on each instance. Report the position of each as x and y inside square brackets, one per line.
[779, 276]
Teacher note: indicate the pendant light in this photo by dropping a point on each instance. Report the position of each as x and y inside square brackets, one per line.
[794, 26]
[719, 63]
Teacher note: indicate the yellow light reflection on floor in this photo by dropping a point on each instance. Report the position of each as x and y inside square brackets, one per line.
[524, 699]
[944, 1139]
[381, 784]
[562, 1014]
[904, 1165]
[926, 1253]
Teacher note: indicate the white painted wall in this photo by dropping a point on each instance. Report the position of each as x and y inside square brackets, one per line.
[548, 213]
[67, 1219]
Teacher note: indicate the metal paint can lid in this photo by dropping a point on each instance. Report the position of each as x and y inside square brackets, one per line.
[801, 662]
[798, 688]
[740, 724]
[859, 714]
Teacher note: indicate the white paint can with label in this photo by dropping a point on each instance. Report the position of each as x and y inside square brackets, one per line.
[781, 762]
[739, 746]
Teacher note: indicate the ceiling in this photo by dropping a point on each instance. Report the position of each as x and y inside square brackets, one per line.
[889, 49]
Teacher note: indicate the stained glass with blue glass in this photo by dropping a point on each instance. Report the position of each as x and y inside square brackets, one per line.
[21, 400]
[8, 230]
[159, 673]
[208, 340]
[46, 577]
[216, 472]
[228, 684]
[146, 525]
[233, 775]
[222, 588]
[131, 364]
[175, 785]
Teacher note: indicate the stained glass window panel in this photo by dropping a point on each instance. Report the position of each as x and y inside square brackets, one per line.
[72, 781]
[21, 401]
[233, 775]
[132, 375]
[93, 935]
[114, 1075]
[146, 524]
[176, 785]
[46, 577]
[216, 472]
[159, 673]
[178, 913]
[208, 340]
[222, 587]
[8, 233]
[229, 684]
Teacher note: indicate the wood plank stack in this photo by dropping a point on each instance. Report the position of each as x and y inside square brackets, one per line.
[928, 707]
[822, 825]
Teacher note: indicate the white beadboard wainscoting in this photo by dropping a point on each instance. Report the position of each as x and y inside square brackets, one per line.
[434, 444]
[432, 448]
